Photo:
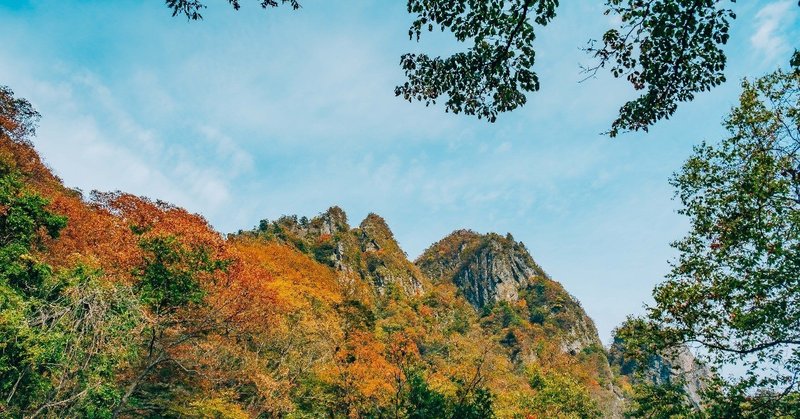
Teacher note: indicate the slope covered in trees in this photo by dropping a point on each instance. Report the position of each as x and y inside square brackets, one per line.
[113, 305]
[734, 285]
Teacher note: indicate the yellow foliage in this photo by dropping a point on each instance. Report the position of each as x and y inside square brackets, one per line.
[217, 406]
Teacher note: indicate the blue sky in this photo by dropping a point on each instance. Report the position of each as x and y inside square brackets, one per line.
[254, 114]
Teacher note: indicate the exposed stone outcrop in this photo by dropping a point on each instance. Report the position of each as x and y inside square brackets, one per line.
[694, 375]
[489, 268]
[330, 222]
[677, 366]
[386, 263]
[368, 251]
[486, 268]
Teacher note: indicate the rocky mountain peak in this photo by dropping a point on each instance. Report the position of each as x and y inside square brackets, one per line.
[332, 221]
[386, 262]
[369, 251]
[490, 268]
[487, 268]
[376, 235]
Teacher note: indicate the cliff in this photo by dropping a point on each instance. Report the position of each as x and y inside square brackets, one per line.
[489, 268]
[678, 367]
[369, 252]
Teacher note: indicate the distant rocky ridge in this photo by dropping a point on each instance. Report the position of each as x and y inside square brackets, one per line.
[677, 367]
[369, 251]
[489, 268]
[486, 268]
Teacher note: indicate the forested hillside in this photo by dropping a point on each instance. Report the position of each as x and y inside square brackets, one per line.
[118, 305]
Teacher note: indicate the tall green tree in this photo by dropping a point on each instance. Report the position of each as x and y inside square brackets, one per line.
[670, 50]
[734, 289]
[63, 334]
[170, 286]
[23, 349]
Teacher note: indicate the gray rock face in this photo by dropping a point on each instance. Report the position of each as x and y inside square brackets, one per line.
[491, 268]
[694, 375]
[678, 365]
[326, 227]
[495, 272]
[486, 268]
[332, 221]
[386, 261]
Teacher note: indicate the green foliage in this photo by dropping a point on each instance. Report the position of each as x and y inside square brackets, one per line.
[191, 8]
[22, 348]
[734, 288]
[549, 304]
[63, 336]
[559, 395]
[499, 316]
[23, 214]
[421, 401]
[490, 77]
[62, 353]
[740, 401]
[672, 49]
[168, 277]
[473, 404]
[324, 252]
[667, 400]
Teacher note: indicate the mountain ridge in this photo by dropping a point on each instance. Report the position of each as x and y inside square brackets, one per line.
[318, 315]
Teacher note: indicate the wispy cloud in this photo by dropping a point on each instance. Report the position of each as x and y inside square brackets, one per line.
[96, 142]
[226, 149]
[252, 115]
[771, 29]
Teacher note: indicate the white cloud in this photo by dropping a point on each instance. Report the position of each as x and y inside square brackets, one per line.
[255, 115]
[93, 139]
[772, 21]
[226, 148]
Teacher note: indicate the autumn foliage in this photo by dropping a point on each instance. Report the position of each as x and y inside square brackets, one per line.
[113, 305]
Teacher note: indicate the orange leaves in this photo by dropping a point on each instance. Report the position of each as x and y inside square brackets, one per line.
[296, 279]
[93, 235]
[107, 231]
[100, 231]
[268, 279]
[402, 351]
[149, 217]
[364, 376]
[22, 157]
[426, 312]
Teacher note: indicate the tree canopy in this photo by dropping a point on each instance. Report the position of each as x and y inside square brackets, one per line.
[734, 289]
[669, 50]
[18, 118]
